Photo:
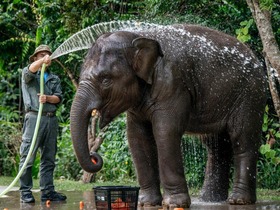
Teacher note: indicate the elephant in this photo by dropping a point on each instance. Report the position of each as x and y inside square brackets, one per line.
[171, 81]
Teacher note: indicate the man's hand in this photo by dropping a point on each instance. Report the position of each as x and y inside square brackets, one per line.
[42, 98]
[47, 60]
[39, 60]
[53, 99]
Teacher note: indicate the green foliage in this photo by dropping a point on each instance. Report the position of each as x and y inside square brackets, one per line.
[10, 128]
[270, 154]
[267, 4]
[10, 137]
[224, 15]
[194, 155]
[79, 15]
[243, 32]
[269, 161]
[270, 125]
[67, 165]
[268, 168]
[38, 36]
[275, 17]
[115, 153]
[157, 7]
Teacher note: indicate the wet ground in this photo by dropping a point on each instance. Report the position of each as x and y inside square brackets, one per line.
[11, 201]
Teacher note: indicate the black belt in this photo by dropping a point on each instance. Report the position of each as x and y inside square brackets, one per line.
[48, 114]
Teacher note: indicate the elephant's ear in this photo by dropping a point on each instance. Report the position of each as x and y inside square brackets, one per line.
[147, 53]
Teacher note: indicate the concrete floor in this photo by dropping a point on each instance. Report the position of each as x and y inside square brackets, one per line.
[11, 201]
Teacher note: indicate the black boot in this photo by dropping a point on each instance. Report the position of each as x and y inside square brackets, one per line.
[52, 196]
[27, 198]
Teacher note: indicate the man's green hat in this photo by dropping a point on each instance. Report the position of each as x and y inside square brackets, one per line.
[40, 48]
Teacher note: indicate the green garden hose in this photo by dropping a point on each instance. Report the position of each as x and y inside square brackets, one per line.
[34, 135]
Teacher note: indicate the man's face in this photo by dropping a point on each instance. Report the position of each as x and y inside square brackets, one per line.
[40, 55]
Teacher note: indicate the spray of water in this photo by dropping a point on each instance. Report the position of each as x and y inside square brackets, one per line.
[85, 38]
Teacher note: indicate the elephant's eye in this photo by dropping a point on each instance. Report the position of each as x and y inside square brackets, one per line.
[106, 81]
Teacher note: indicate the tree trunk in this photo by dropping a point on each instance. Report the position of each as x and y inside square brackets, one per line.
[270, 48]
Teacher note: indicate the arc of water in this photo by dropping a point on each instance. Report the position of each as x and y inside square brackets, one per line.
[85, 38]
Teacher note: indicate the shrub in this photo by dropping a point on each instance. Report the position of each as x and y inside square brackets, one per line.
[10, 138]
[194, 155]
[116, 155]
[269, 161]
[67, 165]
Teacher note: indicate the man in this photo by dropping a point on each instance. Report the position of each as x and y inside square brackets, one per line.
[46, 140]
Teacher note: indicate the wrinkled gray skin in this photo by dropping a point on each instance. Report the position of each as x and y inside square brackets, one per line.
[175, 81]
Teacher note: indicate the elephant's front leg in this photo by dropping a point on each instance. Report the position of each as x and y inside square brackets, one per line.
[144, 153]
[168, 140]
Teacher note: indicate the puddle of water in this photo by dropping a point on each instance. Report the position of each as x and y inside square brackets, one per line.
[12, 202]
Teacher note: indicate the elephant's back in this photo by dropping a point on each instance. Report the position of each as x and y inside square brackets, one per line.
[217, 66]
[208, 50]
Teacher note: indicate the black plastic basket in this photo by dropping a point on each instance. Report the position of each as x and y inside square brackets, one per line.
[116, 197]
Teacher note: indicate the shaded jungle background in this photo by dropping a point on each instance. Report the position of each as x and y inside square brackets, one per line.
[26, 24]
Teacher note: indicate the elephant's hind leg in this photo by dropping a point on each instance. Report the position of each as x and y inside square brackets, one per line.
[245, 164]
[246, 139]
[216, 182]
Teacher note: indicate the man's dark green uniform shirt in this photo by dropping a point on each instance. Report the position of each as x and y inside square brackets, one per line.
[31, 87]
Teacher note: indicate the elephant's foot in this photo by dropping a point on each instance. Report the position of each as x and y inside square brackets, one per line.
[149, 198]
[213, 194]
[180, 200]
[242, 197]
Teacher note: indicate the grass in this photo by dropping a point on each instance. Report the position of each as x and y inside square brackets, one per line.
[267, 194]
[68, 185]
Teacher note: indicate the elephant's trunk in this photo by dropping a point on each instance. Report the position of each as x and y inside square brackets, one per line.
[79, 120]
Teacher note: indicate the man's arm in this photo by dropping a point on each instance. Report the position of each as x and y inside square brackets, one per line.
[36, 65]
[52, 99]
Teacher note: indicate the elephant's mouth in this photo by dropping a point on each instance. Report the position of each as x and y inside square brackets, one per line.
[95, 113]
[104, 119]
